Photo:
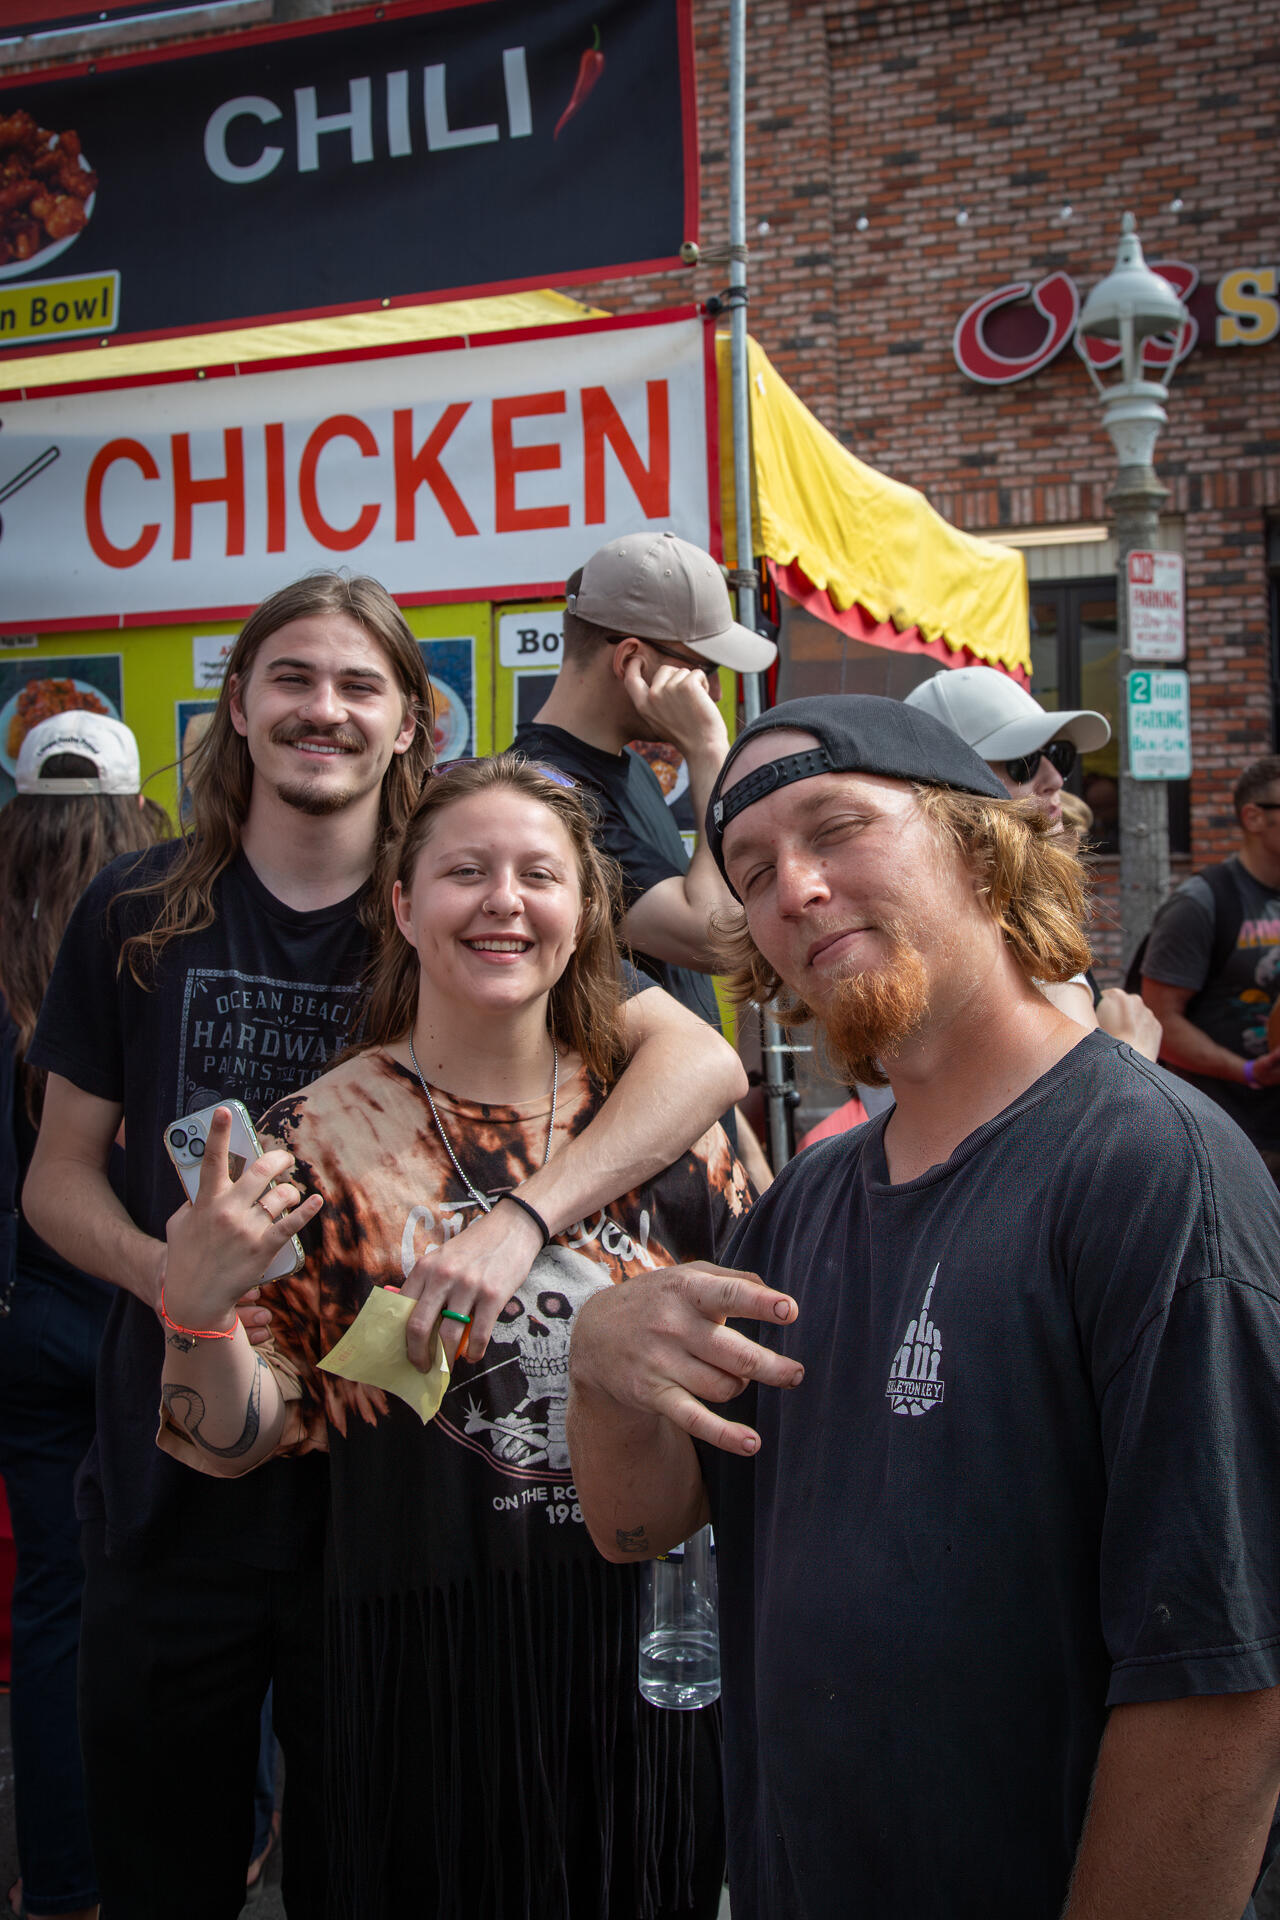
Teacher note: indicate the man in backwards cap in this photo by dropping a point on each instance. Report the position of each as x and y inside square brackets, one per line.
[1013, 1526]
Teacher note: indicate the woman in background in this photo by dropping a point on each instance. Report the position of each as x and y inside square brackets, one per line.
[78, 806]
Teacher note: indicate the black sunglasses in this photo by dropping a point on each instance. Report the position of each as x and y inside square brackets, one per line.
[1061, 755]
[668, 653]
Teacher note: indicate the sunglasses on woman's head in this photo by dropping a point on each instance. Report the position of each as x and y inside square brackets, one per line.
[535, 766]
[1061, 755]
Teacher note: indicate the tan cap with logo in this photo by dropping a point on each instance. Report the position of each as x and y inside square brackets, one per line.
[659, 587]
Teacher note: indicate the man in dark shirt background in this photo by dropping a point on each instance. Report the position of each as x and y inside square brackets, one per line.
[647, 624]
[1213, 995]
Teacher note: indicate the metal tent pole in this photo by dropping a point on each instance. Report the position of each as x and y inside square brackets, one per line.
[780, 1097]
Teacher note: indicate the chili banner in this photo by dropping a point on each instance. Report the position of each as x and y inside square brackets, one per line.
[481, 468]
[391, 155]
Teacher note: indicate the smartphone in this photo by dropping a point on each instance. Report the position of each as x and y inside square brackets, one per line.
[185, 1140]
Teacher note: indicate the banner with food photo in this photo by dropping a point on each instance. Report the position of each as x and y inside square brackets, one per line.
[35, 690]
[451, 668]
[487, 467]
[394, 154]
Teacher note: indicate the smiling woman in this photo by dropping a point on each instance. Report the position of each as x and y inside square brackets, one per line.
[483, 1656]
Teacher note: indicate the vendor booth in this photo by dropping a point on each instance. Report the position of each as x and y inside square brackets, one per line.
[469, 455]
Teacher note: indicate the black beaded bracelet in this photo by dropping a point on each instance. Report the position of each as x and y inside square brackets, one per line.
[533, 1214]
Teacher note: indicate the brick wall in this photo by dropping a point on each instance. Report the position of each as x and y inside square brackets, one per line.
[905, 115]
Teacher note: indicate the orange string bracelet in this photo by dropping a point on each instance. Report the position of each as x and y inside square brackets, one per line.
[193, 1333]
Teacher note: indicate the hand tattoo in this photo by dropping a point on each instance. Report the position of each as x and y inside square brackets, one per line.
[633, 1540]
[187, 1409]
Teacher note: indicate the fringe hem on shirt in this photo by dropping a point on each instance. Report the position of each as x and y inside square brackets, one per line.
[491, 1757]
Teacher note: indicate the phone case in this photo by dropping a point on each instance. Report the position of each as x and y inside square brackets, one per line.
[185, 1140]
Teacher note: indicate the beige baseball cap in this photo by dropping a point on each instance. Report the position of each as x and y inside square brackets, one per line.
[659, 587]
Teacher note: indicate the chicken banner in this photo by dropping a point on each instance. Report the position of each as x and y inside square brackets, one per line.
[484, 468]
[390, 155]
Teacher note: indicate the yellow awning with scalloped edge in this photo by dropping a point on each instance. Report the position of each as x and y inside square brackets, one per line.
[862, 540]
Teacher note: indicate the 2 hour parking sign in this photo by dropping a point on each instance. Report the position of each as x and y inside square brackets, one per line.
[1159, 710]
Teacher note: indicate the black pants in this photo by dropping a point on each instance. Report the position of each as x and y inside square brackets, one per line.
[175, 1658]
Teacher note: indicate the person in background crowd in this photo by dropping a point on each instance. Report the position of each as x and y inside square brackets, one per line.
[1032, 752]
[490, 1754]
[647, 626]
[78, 807]
[1211, 969]
[229, 965]
[1000, 1564]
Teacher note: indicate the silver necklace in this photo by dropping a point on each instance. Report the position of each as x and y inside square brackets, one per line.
[481, 1199]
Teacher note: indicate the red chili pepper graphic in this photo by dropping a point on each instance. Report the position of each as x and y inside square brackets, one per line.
[590, 67]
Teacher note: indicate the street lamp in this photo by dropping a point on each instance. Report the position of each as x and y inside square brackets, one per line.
[1130, 307]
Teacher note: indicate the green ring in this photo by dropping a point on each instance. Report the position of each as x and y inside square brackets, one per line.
[447, 1313]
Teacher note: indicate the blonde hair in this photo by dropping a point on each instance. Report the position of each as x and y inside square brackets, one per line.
[1031, 884]
[220, 771]
[585, 1011]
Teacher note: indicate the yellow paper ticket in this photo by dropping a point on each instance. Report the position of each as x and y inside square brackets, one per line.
[372, 1352]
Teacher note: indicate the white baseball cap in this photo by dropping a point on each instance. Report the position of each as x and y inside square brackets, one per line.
[659, 587]
[91, 736]
[998, 718]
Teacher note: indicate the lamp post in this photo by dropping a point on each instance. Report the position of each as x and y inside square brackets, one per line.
[1131, 306]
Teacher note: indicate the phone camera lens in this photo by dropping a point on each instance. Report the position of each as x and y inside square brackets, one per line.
[197, 1146]
[178, 1138]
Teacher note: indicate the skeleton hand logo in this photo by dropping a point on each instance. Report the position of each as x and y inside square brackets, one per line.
[914, 1385]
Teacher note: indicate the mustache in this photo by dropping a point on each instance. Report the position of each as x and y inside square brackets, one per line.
[289, 732]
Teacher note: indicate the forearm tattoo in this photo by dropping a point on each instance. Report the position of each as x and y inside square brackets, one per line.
[187, 1409]
[182, 1342]
[632, 1540]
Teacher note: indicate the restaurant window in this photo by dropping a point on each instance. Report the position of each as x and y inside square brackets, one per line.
[1073, 661]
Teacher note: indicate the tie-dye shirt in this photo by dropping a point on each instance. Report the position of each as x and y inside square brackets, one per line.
[490, 1753]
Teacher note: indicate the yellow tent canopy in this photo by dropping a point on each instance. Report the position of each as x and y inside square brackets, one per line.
[859, 540]
[862, 551]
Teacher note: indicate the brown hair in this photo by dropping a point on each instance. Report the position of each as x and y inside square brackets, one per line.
[586, 1001]
[1032, 885]
[582, 638]
[51, 847]
[1254, 782]
[220, 772]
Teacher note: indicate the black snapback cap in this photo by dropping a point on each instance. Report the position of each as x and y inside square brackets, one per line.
[856, 733]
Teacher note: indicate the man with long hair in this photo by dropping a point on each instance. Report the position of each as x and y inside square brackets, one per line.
[1001, 1564]
[228, 965]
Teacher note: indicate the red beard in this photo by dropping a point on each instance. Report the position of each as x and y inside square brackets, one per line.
[865, 1018]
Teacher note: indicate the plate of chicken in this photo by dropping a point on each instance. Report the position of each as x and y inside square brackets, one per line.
[47, 193]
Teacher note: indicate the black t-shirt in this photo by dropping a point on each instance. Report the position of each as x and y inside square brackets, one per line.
[1232, 1006]
[250, 1008]
[1033, 1472]
[636, 829]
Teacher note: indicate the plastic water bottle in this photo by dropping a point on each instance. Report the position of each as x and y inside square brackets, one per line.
[679, 1627]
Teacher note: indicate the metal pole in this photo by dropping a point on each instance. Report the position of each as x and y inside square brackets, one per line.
[736, 301]
[1144, 804]
[779, 1076]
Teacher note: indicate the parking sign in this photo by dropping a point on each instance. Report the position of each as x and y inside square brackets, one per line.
[1159, 713]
